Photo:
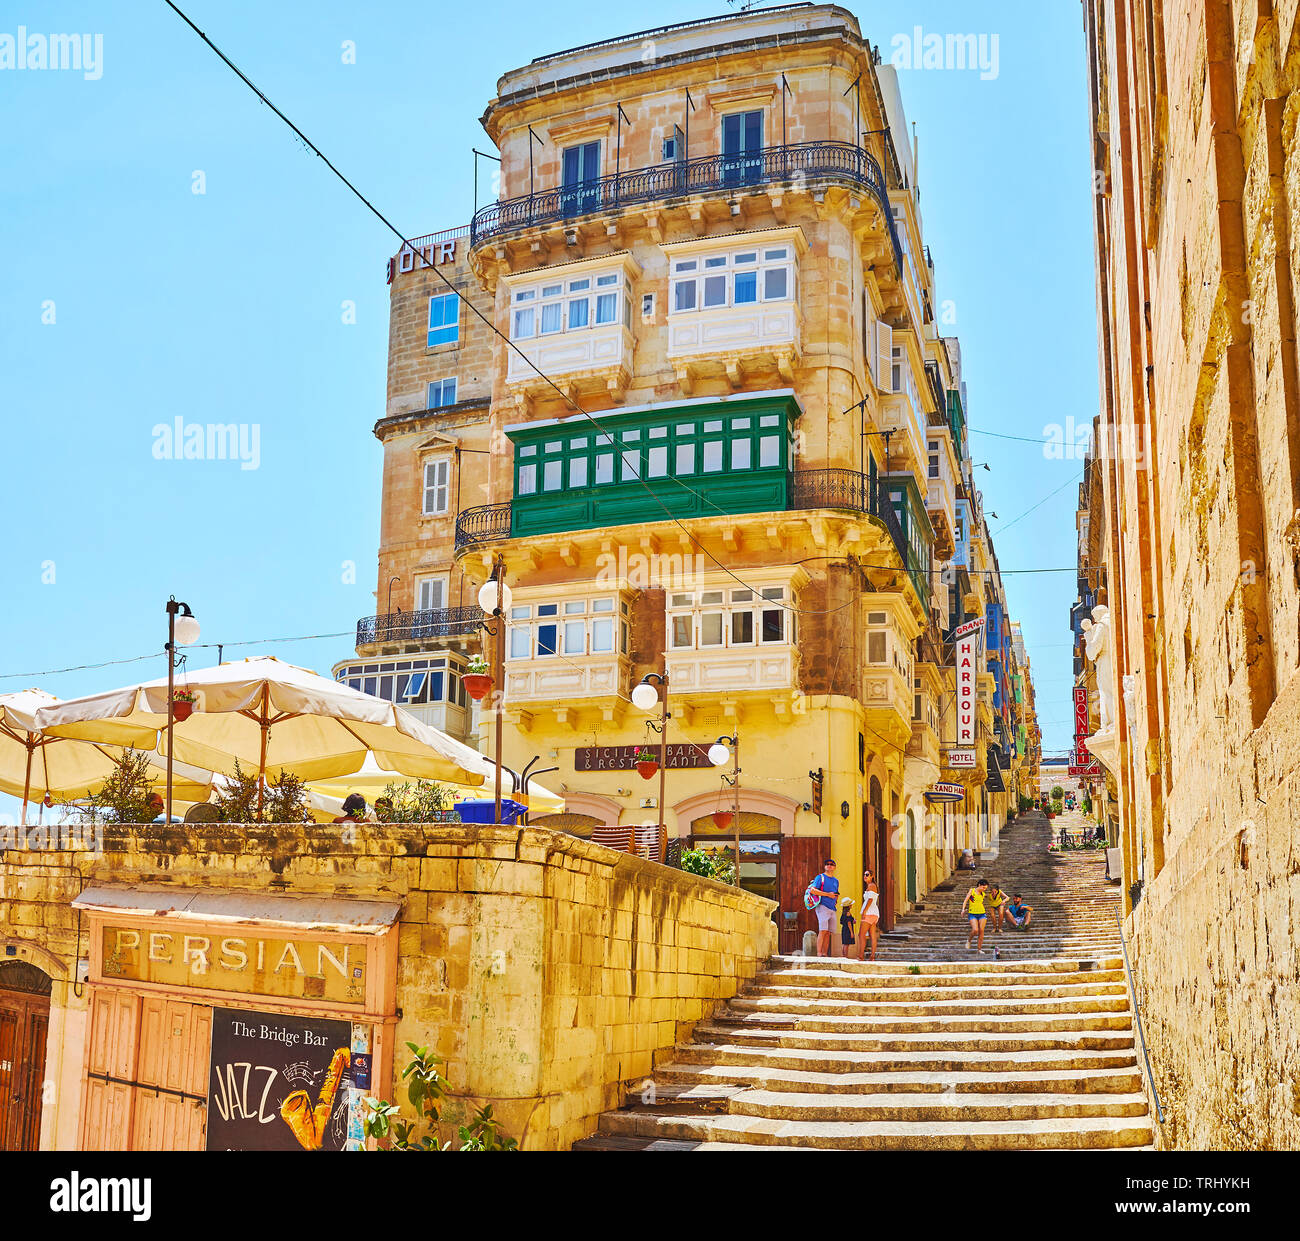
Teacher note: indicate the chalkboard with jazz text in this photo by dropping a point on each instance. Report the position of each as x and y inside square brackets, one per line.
[277, 1083]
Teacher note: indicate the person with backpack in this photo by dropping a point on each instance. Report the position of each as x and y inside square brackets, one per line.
[827, 889]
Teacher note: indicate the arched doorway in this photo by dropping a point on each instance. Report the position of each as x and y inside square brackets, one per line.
[760, 849]
[24, 1021]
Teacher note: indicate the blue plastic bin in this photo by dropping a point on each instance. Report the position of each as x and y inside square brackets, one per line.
[485, 811]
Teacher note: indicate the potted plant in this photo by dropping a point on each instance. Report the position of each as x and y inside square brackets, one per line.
[722, 819]
[476, 678]
[183, 701]
[646, 760]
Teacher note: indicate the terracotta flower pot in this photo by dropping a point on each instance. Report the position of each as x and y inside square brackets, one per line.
[182, 709]
[476, 684]
[647, 768]
[722, 819]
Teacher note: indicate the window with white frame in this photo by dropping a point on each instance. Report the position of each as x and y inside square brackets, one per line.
[411, 682]
[431, 593]
[437, 485]
[444, 319]
[885, 646]
[732, 278]
[730, 617]
[441, 392]
[570, 628]
[568, 305]
[933, 446]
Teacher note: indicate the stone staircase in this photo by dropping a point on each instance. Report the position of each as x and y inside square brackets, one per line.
[931, 1047]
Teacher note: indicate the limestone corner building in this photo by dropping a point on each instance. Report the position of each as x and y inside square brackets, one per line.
[720, 435]
[1193, 498]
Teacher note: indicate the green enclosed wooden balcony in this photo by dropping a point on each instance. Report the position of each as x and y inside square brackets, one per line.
[683, 459]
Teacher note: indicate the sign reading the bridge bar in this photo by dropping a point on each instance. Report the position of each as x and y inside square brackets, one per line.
[620, 757]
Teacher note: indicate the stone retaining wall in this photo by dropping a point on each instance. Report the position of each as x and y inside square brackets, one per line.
[545, 970]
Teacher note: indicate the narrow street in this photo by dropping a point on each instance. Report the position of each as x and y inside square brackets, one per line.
[931, 1047]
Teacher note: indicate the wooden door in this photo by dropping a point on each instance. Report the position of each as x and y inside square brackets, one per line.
[146, 1073]
[24, 1024]
[801, 863]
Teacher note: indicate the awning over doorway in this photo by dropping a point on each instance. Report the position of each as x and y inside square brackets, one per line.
[319, 913]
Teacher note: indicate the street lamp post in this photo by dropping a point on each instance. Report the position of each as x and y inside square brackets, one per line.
[494, 599]
[647, 698]
[184, 629]
[718, 755]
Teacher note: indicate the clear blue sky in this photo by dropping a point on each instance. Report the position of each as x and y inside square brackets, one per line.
[228, 306]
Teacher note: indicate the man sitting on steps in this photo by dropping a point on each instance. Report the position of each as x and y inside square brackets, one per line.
[1017, 913]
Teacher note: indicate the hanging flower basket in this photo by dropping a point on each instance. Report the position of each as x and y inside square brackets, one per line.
[476, 684]
[183, 704]
[647, 763]
[722, 819]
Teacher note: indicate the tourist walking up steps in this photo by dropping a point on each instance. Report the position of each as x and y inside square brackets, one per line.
[973, 908]
[827, 904]
[869, 923]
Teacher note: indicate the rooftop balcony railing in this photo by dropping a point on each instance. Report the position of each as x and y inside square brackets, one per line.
[709, 174]
[425, 626]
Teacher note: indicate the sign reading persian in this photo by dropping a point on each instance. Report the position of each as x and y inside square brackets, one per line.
[278, 1083]
[966, 639]
[300, 969]
[621, 757]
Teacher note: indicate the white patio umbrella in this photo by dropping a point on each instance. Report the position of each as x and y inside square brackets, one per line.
[271, 716]
[34, 760]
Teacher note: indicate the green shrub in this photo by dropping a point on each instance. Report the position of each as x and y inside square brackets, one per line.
[425, 1088]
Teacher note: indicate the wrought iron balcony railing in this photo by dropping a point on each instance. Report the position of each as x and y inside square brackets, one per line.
[708, 174]
[809, 489]
[418, 626]
[489, 523]
[849, 489]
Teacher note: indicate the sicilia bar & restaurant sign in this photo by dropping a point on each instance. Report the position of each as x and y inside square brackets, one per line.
[622, 757]
[245, 962]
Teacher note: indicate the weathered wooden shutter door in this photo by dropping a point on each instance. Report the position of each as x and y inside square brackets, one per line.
[107, 1102]
[175, 1046]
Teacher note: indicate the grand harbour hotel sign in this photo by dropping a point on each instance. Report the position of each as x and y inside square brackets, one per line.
[966, 652]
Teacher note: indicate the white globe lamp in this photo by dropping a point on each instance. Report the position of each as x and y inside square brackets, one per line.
[645, 697]
[719, 755]
[487, 596]
[187, 630]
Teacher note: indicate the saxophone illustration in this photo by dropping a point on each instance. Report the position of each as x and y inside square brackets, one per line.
[307, 1123]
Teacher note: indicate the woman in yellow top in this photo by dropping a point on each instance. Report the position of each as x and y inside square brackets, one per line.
[995, 898]
[973, 908]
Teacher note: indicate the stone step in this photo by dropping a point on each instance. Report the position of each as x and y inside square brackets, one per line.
[756, 1057]
[1061, 1133]
[788, 1105]
[737, 1015]
[901, 1043]
[941, 991]
[969, 965]
[1125, 1080]
[989, 1005]
[992, 976]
